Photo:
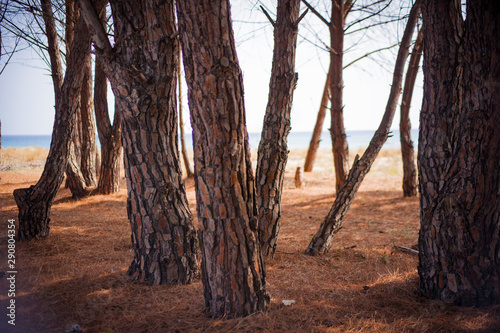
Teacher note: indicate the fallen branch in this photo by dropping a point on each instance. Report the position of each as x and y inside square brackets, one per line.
[406, 249]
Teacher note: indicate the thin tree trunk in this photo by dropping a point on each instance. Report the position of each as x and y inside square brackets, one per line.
[187, 163]
[318, 128]
[34, 203]
[233, 271]
[273, 152]
[88, 127]
[142, 70]
[459, 154]
[337, 131]
[407, 152]
[333, 222]
[109, 135]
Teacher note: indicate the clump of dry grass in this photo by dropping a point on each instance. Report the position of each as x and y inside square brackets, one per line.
[22, 158]
[78, 274]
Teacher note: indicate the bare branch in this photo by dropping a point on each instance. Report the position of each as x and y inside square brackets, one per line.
[369, 54]
[316, 13]
[367, 17]
[376, 24]
[268, 16]
[10, 56]
[301, 17]
[94, 24]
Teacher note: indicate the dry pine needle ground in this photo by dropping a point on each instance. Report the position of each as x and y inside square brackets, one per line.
[78, 274]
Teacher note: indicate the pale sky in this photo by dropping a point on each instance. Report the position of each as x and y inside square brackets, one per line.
[27, 97]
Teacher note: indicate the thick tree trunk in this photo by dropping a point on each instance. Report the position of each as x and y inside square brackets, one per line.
[318, 128]
[273, 151]
[109, 135]
[233, 271]
[337, 131]
[35, 202]
[142, 69]
[185, 158]
[407, 152]
[459, 154]
[333, 222]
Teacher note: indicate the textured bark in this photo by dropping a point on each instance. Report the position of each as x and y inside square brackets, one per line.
[333, 222]
[337, 131]
[109, 135]
[88, 127]
[187, 163]
[232, 267]
[34, 203]
[142, 69]
[273, 152]
[407, 152]
[459, 154]
[81, 173]
[318, 128]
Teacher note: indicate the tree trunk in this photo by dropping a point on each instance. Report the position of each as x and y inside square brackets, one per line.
[337, 130]
[35, 202]
[407, 152]
[459, 154]
[318, 128]
[333, 222]
[233, 271]
[109, 135]
[187, 163]
[88, 126]
[142, 69]
[273, 152]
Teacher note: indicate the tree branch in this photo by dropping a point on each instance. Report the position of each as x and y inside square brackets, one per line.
[316, 13]
[94, 24]
[369, 54]
[268, 16]
[301, 17]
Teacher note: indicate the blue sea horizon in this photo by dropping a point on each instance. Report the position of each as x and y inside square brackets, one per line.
[296, 140]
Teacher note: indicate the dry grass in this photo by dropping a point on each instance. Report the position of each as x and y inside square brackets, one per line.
[78, 274]
[17, 159]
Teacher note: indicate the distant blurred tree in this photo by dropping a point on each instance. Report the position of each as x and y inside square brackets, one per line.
[321, 241]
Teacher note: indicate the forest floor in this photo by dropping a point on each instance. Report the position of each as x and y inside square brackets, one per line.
[364, 284]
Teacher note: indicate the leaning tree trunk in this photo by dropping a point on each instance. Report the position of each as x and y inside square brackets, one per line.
[333, 222]
[273, 152]
[318, 128]
[459, 154]
[337, 131]
[142, 69]
[109, 135]
[407, 152]
[232, 266]
[35, 202]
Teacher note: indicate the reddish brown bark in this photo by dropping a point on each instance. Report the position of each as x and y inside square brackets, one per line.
[233, 271]
[142, 69]
[273, 151]
[459, 153]
[333, 222]
[407, 152]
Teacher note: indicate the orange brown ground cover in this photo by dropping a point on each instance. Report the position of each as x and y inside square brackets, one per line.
[78, 274]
